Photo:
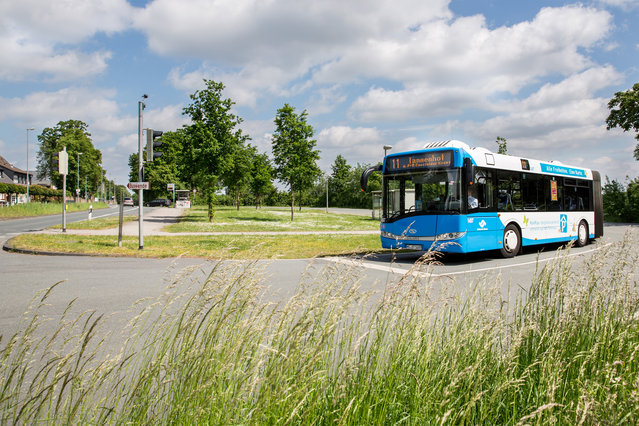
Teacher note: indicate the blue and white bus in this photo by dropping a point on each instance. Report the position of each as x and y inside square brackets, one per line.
[455, 198]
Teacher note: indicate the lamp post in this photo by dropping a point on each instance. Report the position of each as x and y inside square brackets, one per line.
[387, 148]
[77, 190]
[28, 198]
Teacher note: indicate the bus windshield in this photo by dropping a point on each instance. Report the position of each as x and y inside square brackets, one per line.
[426, 192]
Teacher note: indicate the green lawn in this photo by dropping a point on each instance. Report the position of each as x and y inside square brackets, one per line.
[99, 223]
[40, 209]
[247, 219]
[216, 247]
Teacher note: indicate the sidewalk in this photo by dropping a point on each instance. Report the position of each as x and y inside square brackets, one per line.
[154, 221]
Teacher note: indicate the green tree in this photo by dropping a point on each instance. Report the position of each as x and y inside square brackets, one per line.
[338, 183]
[49, 144]
[261, 178]
[237, 171]
[621, 202]
[294, 157]
[163, 170]
[501, 142]
[205, 150]
[624, 113]
[73, 135]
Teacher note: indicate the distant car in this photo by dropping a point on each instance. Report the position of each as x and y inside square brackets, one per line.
[162, 202]
[128, 201]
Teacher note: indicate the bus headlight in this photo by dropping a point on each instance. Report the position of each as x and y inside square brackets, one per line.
[450, 236]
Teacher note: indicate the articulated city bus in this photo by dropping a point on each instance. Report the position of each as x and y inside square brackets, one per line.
[454, 198]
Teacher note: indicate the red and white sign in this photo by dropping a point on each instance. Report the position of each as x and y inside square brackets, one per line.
[138, 185]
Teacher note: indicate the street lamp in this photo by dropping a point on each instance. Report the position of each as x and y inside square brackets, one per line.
[77, 191]
[28, 198]
[387, 148]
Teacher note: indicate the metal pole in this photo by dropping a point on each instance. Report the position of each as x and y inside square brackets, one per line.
[326, 194]
[77, 191]
[140, 174]
[28, 180]
[64, 198]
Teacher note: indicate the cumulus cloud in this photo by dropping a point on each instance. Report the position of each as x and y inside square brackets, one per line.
[446, 67]
[245, 87]
[623, 4]
[45, 108]
[360, 144]
[285, 33]
[35, 34]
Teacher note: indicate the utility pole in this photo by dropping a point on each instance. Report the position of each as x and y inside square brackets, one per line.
[28, 180]
[140, 171]
[77, 189]
[64, 196]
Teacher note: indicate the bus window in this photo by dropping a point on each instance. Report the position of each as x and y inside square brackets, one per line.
[508, 191]
[554, 190]
[577, 194]
[482, 191]
[532, 189]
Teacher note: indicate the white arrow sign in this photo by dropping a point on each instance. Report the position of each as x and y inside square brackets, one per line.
[138, 185]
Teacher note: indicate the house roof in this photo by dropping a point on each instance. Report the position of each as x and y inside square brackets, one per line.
[5, 164]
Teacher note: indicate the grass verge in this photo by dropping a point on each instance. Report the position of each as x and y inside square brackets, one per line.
[99, 223]
[216, 247]
[229, 219]
[208, 350]
[39, 209]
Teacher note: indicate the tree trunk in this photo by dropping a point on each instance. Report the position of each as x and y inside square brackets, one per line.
[292, 203]
[210, 201]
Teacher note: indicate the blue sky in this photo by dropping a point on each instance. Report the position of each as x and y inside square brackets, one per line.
[369, 73]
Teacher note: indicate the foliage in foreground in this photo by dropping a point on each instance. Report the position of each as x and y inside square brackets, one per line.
[210, 351]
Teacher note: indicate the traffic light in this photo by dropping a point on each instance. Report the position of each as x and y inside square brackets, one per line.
[63, 162]
[151, 144]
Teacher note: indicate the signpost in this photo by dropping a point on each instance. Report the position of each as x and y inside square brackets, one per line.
[138, 185]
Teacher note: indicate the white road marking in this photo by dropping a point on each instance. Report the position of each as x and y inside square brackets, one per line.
[400, 271]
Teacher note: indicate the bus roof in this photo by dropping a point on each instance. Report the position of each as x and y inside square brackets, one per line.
[482, 157]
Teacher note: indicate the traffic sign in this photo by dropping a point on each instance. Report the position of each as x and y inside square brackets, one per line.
[170, 186]
[138, 185]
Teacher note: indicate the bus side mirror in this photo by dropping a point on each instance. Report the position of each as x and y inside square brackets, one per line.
[363, 180]
[469, 169]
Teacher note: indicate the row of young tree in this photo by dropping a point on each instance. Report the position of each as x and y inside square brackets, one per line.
[212, 154]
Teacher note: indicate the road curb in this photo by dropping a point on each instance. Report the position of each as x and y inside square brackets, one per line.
[10, 249]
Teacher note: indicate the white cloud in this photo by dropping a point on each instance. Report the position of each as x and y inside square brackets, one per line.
[245, 86]
[32, 33]
[260, 132]
[44, 108]
[446, 67]
[285, 33]
[361, 144]
[325, 100]
[623, 4]
[23, 61]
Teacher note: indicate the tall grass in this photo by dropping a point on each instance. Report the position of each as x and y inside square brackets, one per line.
[212, 350]
[39, 209]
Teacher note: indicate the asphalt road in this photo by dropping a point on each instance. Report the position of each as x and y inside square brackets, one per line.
[112, 285]
[12, 227]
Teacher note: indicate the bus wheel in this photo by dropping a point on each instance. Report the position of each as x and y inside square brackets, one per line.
[582, 234]
[512, 241]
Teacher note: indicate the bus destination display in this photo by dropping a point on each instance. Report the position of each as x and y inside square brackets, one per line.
[421, 160]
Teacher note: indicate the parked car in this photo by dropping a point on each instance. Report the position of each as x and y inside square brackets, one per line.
[162, 202]
[128, 201]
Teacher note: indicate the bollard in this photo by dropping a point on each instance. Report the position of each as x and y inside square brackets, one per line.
[90, 211]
